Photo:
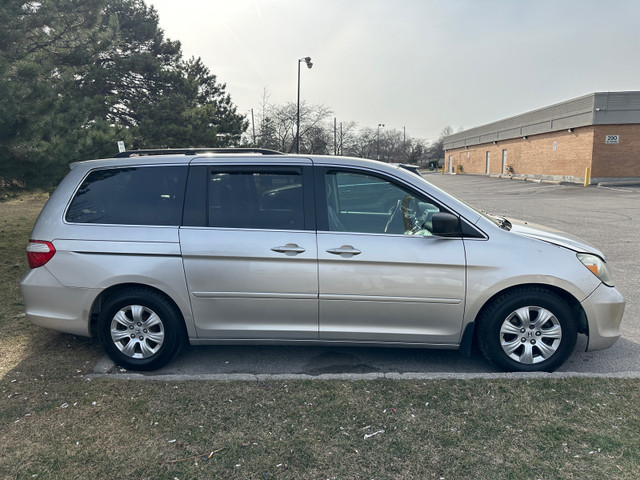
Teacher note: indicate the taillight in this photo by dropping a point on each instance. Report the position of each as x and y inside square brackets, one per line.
[39, 252]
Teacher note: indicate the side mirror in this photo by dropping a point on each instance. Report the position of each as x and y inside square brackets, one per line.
[445, 225]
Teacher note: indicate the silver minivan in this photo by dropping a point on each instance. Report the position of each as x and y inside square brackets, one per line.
[152, 249]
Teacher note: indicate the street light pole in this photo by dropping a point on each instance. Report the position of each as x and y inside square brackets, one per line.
[379, 125]
[306, 60]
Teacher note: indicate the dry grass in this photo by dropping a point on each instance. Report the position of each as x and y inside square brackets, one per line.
[57, 423]
[381, 429]
[17, 215]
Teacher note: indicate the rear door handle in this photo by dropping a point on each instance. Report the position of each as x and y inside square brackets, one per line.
[289, 248]
[344, 250]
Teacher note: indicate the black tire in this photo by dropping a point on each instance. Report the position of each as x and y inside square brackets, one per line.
[526, 330]
[140, 329]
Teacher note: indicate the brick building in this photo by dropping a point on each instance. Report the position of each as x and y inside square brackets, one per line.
[597, 135]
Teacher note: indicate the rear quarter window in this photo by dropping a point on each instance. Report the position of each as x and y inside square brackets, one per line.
[130, 196]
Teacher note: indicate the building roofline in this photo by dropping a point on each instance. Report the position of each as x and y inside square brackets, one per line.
[599, 108]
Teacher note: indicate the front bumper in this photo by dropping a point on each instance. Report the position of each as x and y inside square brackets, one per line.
[604, 309]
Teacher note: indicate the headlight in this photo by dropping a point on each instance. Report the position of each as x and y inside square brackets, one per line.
[597, 266]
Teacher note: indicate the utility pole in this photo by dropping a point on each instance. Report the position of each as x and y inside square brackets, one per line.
[253, 123]
[379, 125]
[309, 64]
[404, 143]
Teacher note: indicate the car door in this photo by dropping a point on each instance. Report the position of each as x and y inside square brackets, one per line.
[250, 255]
[383, 277]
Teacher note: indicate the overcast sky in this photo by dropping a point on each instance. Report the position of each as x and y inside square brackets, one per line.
[419, 64]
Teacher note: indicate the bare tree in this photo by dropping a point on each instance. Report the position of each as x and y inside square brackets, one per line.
[345, 137]
[364, 144]
[417, 152]
[314, 123]
[277, 127]
[391, 146]
[436, 149]
[277, 130]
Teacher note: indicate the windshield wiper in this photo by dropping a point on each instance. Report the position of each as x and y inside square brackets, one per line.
[503, 223]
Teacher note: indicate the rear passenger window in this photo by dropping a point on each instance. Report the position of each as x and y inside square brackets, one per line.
[263, 200]
[130, 196]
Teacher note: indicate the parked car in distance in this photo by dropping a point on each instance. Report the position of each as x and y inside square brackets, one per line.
[151, 250]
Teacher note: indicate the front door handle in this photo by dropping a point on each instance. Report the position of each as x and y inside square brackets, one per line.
[289, 248]
[344, 250]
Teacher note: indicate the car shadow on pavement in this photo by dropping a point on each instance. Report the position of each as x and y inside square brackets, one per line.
[230, 361]
[317, 360]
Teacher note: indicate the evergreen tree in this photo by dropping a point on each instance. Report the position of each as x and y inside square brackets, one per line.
[42, 46]
[195, 112]
[76, 76]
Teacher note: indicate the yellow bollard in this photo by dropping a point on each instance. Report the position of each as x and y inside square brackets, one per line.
[443, 169]
[587, 177]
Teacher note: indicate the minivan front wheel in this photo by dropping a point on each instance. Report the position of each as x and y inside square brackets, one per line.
[528, 329]
[140, 329]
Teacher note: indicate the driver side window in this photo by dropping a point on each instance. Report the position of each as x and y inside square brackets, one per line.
[359, 202]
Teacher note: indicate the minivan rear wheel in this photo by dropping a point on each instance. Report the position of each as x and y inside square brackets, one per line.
[528, 329]
[140, 329]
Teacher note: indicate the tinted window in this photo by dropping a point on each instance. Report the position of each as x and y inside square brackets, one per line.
[358, 202]
[130, 196]
[256, 199]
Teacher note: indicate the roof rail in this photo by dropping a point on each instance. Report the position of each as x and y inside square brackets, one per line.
[194, 151]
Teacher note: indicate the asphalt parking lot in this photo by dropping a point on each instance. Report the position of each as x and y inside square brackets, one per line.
[607, 217]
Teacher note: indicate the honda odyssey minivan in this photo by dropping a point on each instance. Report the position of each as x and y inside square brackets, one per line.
[151, 250]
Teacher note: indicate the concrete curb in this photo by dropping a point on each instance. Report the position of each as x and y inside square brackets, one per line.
[524, 178]
[106, 369]
[247, 377]
[620, 184]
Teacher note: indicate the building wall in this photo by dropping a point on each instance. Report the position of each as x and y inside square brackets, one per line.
[562, 140]
[560, 155]
[474, 159]
[621, 160]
